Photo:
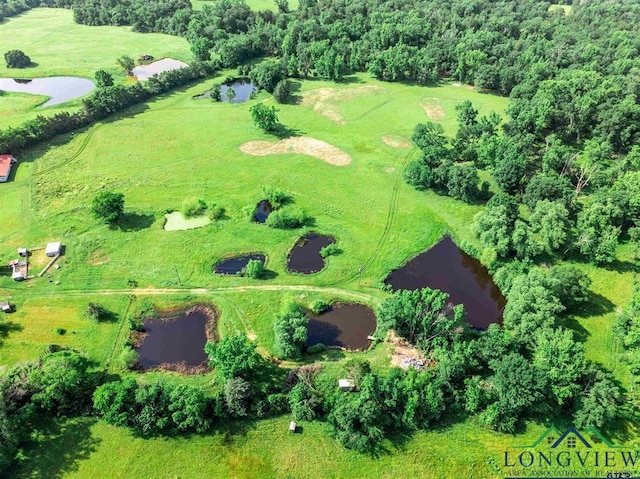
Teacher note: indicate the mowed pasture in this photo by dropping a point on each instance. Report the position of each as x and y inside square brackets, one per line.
[177, 147]
[58, 46]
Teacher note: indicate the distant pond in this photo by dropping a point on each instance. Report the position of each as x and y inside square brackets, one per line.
[144, 72]
[59, 89]
[343, 325]
[305, 257]
[447, 268]
[242, 91]
[236, 264]
[175, 340]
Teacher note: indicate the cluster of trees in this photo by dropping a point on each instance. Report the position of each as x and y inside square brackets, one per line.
[530, 367]
[627, 332]
[100, 104]
[446, 168]
[290, 330]
[59, 384]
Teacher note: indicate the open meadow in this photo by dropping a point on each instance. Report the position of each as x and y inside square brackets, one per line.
[177, 147]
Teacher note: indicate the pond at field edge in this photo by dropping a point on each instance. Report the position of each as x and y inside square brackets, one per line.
[305, 256]
[176, 342]
[242, 87]
[177, 222]
[447, 268]
[144, 72]
[236, 264]
[342, 325]
[59, 89]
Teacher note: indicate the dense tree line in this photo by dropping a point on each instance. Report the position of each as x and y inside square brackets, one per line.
[101, 103]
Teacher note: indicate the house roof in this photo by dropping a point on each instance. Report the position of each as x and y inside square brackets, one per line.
[5, 164]
[53, 247]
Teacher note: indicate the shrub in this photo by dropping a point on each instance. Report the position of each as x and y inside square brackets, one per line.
[128, 358]
[282, 92]
[108, 206]
[61, 331]
[97, 312]
[254, 269]
[287, 218]
[192, 207]
[318, 306]
[17, 59]
[275, 196]
[329, 250]
[216, 212]
[136, 324]
[316, 348]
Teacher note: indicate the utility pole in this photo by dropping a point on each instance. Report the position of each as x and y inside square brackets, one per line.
[176, 268]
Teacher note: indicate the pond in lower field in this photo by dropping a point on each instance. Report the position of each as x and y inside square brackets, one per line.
[343, 325]
[144, 72]
[177, 222]
[305, 257]
[236, 264]
[176, 342]
[59, 89]
[242, 90]
[447, 268]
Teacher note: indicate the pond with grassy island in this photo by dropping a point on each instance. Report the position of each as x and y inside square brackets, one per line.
[305, 257]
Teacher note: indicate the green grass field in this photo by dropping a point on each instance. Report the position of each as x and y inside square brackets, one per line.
[256, 5]
[176, 147]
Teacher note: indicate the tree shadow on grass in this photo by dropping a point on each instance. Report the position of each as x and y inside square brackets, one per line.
[8, 327]
[268, 274]
[622, 267]
[134, 222]
[580, 334]
[596, 305]
[282, 132]
[56, 448]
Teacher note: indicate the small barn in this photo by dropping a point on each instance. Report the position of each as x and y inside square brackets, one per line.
[53, 249]
[346, 385]
[6, 162]
[19, 269]
[6, 307]
[24, 252]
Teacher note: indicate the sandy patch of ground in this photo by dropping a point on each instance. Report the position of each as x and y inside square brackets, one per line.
[403, 351]
[433, 110]
[302, 145]
[389, 169]
[324, 100]
[396, 141]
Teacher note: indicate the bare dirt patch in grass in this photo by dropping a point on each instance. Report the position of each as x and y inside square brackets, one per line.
[324, 100]
[302, 145]
[433, 109]
[396, 141]
[402, 350]
[98, 258]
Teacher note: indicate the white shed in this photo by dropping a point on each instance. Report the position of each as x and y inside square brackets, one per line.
[292, 426]
[24, 252]
[346, 385]
[6, 307]
[53, 249]
[18, 276]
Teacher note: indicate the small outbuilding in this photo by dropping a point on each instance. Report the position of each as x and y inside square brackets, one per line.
[292, 426]
[53, 249]
[6, 307]
[18, 276]
[6, 162]
[24, 252]
[346, 385]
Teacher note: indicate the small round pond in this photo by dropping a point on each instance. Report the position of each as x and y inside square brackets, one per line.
[305, 257]
[447, 268]
[236, 264]
[177, 222]
[343, 325]
[242, 90]
[60, 89]
[263, 210]
[144, 72]
[175, 341]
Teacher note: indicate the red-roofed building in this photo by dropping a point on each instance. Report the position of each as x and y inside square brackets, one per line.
[6, 161]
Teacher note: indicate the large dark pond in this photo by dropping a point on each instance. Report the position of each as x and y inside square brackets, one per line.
[175, 342]
[305, 257]
[60, 89]
[236, 264]
[344, 325]
[263, 210]
[447, 268]
[242, 87]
